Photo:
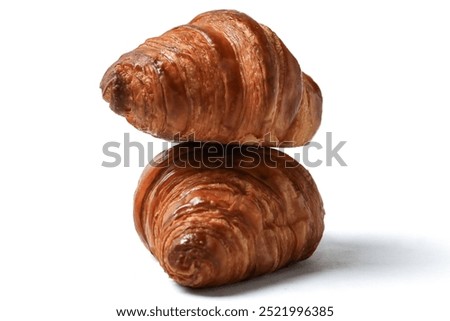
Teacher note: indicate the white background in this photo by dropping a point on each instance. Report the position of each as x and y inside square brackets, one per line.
[69, 250]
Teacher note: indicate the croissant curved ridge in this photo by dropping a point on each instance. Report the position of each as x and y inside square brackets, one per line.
[222, 77]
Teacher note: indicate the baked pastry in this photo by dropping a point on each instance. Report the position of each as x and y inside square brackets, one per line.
[215, 214]
[223, 77]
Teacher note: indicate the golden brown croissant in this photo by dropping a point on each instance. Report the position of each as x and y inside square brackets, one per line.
[223, 77]
[214, 214]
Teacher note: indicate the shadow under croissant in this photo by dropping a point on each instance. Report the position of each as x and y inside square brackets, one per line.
[340, 256]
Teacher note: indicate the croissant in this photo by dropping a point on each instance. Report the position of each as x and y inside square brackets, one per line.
[223, 77]
[215, 214]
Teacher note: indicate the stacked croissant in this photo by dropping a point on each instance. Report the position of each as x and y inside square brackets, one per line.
[222, 206]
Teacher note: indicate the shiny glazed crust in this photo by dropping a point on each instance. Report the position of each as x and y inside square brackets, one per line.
[214, 214]
[223, 77]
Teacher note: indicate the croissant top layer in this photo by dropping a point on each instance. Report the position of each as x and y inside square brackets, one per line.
[223, 77]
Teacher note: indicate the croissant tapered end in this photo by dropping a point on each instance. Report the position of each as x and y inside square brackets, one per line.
[127, 86]
[115, 91]
[308, 120]
[195, 260]
[223, 77]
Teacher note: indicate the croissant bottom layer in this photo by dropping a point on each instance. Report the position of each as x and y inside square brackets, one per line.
[214, 214]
